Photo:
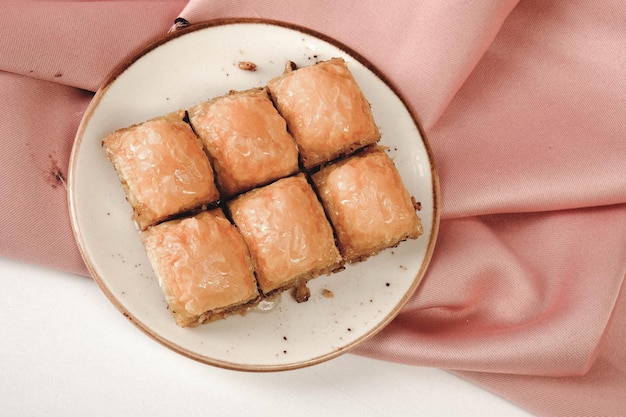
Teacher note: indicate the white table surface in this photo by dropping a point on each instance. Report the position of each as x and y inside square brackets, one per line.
[66, 351]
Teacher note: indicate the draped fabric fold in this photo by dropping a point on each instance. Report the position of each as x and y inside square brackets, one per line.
[527, 305]
[78, 43]
[523, 105]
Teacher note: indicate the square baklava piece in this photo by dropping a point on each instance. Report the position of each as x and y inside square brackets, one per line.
[287, 233]
[203, 267]
[325, 109]
[247, 140]
[162, 167]
[367, 203]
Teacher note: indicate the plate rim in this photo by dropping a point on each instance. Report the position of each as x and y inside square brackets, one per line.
[176, 347]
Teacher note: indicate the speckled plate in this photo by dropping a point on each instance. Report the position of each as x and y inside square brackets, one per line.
[198, 63]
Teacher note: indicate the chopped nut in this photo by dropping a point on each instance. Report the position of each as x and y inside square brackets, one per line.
[302, 291]
[247, 66]
[417, 205]
[290, 66]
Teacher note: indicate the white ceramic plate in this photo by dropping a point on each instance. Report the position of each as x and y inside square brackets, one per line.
[196, 64]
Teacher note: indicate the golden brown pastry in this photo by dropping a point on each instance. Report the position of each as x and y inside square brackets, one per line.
[203, 267]
[367, 203]
[162, 167]
[287, 232]
[326, 111]
[247, 140]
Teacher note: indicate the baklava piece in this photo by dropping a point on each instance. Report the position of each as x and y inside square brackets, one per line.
[247, 140]
[325, 109]
[203, 267]
[367, 203]
[162, 167]
[287, 233]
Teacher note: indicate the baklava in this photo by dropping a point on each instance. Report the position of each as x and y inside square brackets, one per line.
[326, 111]
[203, 267]
[162, 167]
[287, 233]
[247, 140]
[367, 204]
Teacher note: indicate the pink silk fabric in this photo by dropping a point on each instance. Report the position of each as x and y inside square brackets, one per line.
[523, 103]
